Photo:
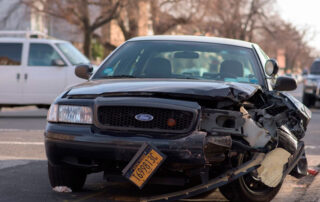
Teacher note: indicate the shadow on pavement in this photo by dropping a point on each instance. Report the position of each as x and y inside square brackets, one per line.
[27, 180]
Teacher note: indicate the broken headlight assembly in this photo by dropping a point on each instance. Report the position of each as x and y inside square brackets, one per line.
[70, 114]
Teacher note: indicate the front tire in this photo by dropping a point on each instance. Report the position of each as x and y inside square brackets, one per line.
[65, 176]
[247, 189]
[308, 100]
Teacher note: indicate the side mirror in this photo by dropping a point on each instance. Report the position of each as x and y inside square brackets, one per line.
[271, 67]
[58, 62]
[83, 71]
[284, 83]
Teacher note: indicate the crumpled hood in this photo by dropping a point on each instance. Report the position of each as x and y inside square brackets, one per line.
[208, 89]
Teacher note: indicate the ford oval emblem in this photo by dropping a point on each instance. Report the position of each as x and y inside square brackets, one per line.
[144, 117]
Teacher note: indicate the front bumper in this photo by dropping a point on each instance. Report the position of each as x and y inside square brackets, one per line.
[81, 146]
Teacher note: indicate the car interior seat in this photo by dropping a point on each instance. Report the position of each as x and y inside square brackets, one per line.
[158, 68]
[231, 68]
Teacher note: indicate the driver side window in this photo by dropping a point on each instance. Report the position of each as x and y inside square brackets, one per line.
[43, 55]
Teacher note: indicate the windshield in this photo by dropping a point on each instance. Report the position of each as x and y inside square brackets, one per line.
[182, 60]
[315, 68]
[72, 54]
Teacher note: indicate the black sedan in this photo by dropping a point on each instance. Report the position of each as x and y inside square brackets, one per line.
[198, 112]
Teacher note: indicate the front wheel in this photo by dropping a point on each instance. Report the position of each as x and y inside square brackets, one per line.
[248, 189]
[65, 176]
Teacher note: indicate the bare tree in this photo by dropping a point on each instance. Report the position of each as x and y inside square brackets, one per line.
[79, 13]
[281, 35]
[252, 20]
[165, 16]
[237, 19]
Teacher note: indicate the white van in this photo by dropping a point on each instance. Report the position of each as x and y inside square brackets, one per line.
[35, 71]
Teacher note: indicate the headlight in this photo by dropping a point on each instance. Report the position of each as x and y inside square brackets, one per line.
[53, 113]
[70, 114]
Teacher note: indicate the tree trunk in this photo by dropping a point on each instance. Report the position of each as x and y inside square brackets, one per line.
[87, 34]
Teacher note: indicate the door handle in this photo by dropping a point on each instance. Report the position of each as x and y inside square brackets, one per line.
[25, 76]
[18, 76]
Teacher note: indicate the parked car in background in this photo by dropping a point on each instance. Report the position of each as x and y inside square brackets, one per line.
[298, 77]
[157, 111]
[33, 71]
[291, 76]
[295, 76]
[311, 85]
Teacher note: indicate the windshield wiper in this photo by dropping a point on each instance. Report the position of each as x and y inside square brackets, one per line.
[188, 77]
[120, 76]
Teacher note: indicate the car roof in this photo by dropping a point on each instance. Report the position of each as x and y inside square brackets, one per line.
[206, 39]
[21, 40]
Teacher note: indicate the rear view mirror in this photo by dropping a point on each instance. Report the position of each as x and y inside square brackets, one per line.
[83, 71]
[271, 67]
[186, 55]
[58, 62]
[284, 83]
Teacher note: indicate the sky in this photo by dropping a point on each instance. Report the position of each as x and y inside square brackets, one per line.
[304, 14]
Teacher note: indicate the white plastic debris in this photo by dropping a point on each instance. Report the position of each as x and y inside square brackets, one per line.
[256, 136]
[271, 170]
[62, 189]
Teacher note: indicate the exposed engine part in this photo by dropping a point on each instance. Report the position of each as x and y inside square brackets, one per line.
[216, 147]
[256, 136]
[222, 121]
[271, 170]
[225, 122]
[240, 147]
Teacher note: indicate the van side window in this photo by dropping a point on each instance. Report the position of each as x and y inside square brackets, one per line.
[10, 53]
[43, 55]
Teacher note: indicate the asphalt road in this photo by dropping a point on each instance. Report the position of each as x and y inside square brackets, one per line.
[23, 166]
[23, 118]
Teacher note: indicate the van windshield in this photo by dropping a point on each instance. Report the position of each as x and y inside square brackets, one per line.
[72, 54]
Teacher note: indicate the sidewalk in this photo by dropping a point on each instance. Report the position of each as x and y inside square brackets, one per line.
[312, 193]
[305, 189]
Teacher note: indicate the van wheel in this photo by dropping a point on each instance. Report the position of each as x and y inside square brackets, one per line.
[66, 176]
[308, 100]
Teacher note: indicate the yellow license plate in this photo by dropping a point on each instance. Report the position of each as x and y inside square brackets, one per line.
[143, 165]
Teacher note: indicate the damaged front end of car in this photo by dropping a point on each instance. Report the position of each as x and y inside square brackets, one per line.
[256, 136]
[202, 136]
